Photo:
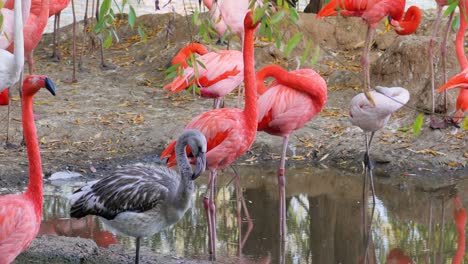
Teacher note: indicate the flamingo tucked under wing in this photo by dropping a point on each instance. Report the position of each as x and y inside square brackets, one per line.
[285, 106]
[218, 74]
[373, 11]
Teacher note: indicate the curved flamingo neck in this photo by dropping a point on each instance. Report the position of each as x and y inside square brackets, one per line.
[460, 39]
[184, 53]
[410, 22]
[312, 87]
[250, 108]
[34, 190]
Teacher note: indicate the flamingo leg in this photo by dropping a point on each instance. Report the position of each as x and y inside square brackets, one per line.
[368, 172]
[7, 140]
[443, 52]
[365, 62]
[431, 54]
[239, 213]
[249, 221]
[74, 42]
[210, 208]
[282, 190]
[54, 41]
[137, 251]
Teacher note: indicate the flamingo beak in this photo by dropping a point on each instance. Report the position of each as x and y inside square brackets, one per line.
[200, 165]
[49, 85]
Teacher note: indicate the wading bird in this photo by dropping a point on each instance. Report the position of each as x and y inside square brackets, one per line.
[215, 16]
[7, 30]
[229, 131]
[458, 81]
[443, 53]
[186, 51]
[285, 106]
[55, 9]
[218, 74]
[140, 200]
[21, 215]
[33, 30]
[372, 11]
[12, 64]
[373, 118]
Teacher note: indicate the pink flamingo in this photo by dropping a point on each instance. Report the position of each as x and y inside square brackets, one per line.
[233, 12]
[20, 215]
[372, 118]
[459, 214]
[443, 51]
[460, 80]
[33, 30]
[461, 107]
[372, 11]
[215, 16]
[7, 31]
[229, 131]
[285, 106]
[55, 9]
[4, 97]
[220, 73]
[184, 53]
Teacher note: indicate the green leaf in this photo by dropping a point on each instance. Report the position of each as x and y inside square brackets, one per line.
[294, 15]
[131, 17]
[108, 41]
[1, 20]
[172, 68]
[1, 6]
[142, 34]
[315, 56]
[105, 6]
[464, 124]
[170, 75]
[451, 7]
[306, 52]
[196, 18]
[292, 43]
[201, 64]
[277, 17]
[417, 125]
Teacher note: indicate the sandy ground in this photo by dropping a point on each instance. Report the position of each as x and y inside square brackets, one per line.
[120, 115]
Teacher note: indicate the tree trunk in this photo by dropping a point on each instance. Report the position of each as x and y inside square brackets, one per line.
[314, 6]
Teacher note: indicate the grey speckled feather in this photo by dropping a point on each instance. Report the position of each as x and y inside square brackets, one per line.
[135, 188]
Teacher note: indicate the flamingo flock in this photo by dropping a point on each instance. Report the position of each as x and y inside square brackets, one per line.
[142, 199]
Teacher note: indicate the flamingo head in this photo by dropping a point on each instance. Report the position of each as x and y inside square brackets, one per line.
[198, 147]
[249, 21]
[410, 22]
[32, 84]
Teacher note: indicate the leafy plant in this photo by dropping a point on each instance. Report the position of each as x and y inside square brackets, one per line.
[417, 125]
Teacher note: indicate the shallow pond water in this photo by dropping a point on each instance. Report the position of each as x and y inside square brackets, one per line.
[324, 220]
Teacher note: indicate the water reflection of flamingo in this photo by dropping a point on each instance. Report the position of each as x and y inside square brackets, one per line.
[285, 106]
[459, 214]
[229, 131]
[86, 227]
[20, 215]
[398, 256]
[372, 11]
[140, 200]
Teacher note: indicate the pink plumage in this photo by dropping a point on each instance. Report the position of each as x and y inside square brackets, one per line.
[220, 73]
[229, 131]
[286, 105]
[20, 215]
[33, 30]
